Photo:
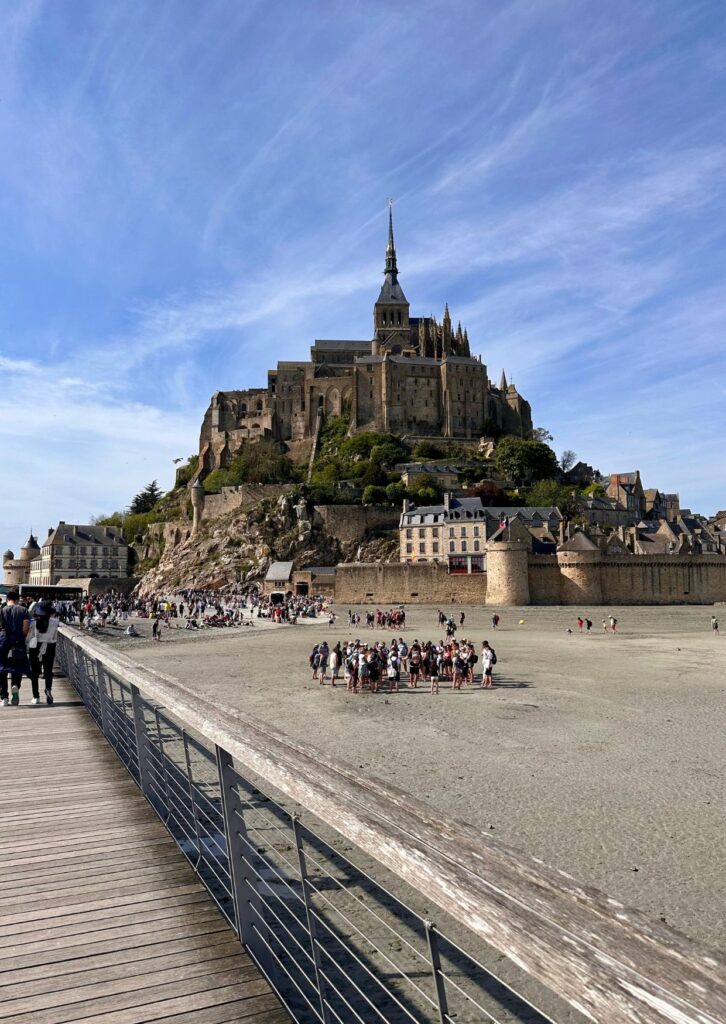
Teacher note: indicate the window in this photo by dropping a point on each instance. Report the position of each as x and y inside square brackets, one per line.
[422, 534]
[435, 532]
[452, 546]
[463, 531]
[463, 545]
[476, 531]
[409, 534]
[422, 548]
[435, 547]
[409, 549]
[476, 545]
[451, 531]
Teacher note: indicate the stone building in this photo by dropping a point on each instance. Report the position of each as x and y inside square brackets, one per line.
[457, 531]
[76, 552]
[415, 376]
[627, 489]
[16, 571]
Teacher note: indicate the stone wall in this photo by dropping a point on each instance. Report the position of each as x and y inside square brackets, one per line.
[694, 579]
[396, 583]
[545, 581]
[244, 496]
[619, 580]
[348, 524]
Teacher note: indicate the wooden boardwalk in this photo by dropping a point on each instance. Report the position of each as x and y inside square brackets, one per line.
[101, 917]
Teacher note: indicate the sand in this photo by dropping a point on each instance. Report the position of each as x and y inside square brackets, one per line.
[601, 754]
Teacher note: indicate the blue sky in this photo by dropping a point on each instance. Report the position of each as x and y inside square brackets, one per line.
[189, 192]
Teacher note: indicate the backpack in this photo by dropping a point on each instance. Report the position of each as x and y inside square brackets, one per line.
[494, 656]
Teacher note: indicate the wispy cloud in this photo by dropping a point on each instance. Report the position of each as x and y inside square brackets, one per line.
[191, 193]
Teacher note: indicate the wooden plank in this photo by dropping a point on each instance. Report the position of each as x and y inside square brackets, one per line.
[91, 977]
[164, 1008]
[608, 960]
[145, 997]
[100, 962]
[256, 1010]
[129, 983]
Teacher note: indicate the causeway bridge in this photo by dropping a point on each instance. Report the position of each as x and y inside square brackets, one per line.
[169, 860]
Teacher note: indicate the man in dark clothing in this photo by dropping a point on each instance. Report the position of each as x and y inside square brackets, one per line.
[14, 627]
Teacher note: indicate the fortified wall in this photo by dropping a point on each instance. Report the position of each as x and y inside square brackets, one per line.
[517, 577]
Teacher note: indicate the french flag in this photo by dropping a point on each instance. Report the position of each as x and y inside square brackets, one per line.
[504, 523]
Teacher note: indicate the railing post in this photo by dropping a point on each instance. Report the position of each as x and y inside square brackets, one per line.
[102, 709]
[244, 882]
[310, 917]
[190, 782]
[435, 957]
[141, 740]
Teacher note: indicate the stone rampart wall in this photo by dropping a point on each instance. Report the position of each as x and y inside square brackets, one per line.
[349, 523]
[230, 499]
[406, 583]
[619, 580]
[695, 579]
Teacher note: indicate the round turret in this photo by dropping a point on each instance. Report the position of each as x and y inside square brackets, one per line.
[29, 550]
[197, 494]
[508, 572]
[8, 556]
[579, 561]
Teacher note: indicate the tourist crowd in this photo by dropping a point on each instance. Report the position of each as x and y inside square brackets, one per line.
[382, 666]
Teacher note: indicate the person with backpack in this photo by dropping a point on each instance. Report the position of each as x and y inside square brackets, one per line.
[42, 638]
[489, 660]
[14, 628]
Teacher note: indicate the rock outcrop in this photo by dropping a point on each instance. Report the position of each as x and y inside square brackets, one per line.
[239, 546]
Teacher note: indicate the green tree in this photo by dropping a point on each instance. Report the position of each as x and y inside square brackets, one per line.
[395, 492]
[145, 500]
[374, 495]
[426, 450]
[524, 460]
[545, 493]
[542, 434]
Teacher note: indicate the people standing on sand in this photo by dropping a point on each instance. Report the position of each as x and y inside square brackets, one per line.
[588, 625]
[461, 618]
[489, 660]
[156, 629]
[495, 620]
[714, 626]
[580, 623]
[613, 624]
[604, 625]
[335, 658]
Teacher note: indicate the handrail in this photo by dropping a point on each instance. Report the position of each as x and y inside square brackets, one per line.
[610, 962]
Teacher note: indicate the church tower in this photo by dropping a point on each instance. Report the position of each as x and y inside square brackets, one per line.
[391, 326]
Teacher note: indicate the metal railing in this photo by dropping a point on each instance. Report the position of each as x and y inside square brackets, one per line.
[323, 911]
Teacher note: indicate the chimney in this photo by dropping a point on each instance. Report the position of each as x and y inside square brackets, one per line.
[405, 505]
[50, 530]
[447, 501]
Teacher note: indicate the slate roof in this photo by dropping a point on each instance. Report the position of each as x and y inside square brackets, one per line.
[69, 533]
[579, 542]
[279, 572]
[391, 291]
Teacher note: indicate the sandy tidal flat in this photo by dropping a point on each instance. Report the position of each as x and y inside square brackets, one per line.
[601, 754]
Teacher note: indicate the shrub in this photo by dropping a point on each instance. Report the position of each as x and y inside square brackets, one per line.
[395, 492]
[374, 495]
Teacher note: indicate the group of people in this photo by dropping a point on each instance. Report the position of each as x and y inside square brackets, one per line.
[28, 638]
[382, 666]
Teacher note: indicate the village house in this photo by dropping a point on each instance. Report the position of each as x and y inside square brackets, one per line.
[78, 552]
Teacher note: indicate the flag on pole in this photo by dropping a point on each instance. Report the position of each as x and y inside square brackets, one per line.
[504, 522]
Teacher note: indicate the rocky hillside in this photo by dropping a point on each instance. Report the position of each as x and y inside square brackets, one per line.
[241, 545]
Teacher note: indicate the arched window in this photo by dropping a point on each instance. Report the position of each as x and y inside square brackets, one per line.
[243, 409]
[399, 317]
[259, 405]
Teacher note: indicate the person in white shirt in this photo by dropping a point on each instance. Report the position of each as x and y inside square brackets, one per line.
[41, 643]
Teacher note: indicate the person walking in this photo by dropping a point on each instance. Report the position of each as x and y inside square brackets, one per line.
[42, 639]
[14, 628]
[714, 626]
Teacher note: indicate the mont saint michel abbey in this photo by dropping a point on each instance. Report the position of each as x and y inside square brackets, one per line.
[415, 377]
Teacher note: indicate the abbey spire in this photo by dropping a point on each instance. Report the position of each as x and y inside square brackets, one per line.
[390, 314]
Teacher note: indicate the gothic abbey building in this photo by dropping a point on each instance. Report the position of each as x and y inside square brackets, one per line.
[415, 377]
